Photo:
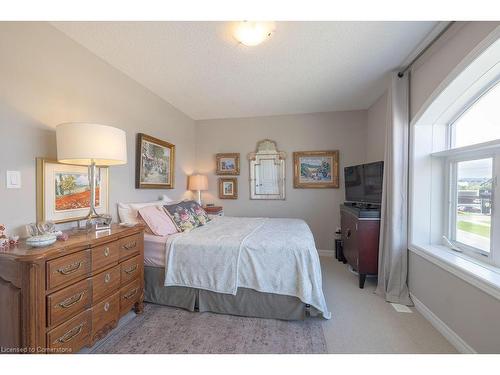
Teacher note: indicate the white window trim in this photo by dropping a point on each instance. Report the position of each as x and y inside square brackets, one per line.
[449, 157]
[451, 208]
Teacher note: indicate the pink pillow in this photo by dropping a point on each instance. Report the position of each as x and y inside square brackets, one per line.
[157, 220]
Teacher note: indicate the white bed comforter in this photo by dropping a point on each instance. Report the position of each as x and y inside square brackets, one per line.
[267, 255]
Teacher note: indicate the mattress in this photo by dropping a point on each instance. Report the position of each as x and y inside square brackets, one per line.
[154, 250]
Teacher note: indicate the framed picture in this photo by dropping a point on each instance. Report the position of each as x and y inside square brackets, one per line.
[316, 169]
[63, 191]
[228, 164]
[228, 188]
[155, 163]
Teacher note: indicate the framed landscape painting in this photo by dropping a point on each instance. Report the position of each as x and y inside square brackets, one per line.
[228, 188]
[155, 163]
[228, 164]
[63, 191]
[316, 169]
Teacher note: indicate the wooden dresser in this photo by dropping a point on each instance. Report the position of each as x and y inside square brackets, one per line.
[69, 295]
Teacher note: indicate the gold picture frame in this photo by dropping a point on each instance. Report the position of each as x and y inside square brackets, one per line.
[316, 169]
[228, 188]
[154, 163]
[61, 192]
[228, 164]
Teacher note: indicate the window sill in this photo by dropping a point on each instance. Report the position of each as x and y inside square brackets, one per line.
[483, 276]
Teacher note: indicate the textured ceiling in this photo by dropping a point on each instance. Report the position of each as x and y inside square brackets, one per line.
[304, 67]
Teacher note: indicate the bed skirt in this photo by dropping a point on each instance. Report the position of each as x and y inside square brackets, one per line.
[246, 302]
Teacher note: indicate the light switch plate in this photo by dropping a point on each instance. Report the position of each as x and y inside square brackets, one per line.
[13, 179]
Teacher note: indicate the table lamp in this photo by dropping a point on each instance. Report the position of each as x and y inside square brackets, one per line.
[198, 182]
[91, 145]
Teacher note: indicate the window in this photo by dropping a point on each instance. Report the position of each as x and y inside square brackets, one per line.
[480, 122]
[473, 164]
[472, 203]
[454, 192]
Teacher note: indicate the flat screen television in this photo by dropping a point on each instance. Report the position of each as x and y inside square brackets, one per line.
[363, 183]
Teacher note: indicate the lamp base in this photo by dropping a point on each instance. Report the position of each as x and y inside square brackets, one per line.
[95, 223]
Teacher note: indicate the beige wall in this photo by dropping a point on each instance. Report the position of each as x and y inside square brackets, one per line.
[343, 131]
[375, 129]
[45, 79]
[468, 311]
[433, 67]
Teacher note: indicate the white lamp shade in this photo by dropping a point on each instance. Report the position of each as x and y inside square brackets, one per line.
[81, 143]
[198, 182]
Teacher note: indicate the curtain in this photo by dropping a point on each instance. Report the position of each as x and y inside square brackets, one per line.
[393, 245]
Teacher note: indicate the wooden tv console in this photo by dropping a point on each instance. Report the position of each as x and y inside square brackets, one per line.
[66, 296]
[360, 237]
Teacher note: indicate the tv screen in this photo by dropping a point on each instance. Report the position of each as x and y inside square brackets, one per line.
[363, 183]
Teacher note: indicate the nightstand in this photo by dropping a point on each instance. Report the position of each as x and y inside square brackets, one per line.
[214, 210]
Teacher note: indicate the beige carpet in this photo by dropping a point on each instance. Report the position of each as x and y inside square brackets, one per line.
[165, 330]
[362, 322]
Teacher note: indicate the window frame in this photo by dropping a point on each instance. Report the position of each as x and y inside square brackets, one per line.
[450, 209]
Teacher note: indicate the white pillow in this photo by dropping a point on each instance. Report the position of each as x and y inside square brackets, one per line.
[128, 211]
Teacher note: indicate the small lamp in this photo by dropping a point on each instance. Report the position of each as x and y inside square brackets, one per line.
[198, 182]
[91, 144]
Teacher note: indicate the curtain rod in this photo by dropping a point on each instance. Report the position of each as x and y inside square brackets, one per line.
[404, 69]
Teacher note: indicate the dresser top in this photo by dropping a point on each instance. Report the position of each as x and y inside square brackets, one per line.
[78, 240]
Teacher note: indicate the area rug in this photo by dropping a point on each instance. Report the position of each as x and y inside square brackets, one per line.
[162, 329]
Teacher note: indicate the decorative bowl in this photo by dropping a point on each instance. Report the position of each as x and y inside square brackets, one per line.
[41, 240]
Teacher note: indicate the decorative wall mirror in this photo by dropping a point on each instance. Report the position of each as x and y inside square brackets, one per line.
[267, 171]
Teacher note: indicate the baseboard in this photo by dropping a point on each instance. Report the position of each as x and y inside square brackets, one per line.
[450, 335]
[326, 253]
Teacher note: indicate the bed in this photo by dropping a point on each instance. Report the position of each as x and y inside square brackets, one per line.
[259, 267]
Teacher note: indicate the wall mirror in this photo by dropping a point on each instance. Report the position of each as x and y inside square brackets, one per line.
[267, 171]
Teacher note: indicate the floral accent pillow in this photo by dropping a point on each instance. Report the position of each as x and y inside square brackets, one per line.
[187, 215]
[199, 213]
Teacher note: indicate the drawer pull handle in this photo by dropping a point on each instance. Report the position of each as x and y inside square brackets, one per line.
[131, 269]
[70, 335]
[106, 306]
[106, 251]
[131, 293]
[107, 278]
[73, 267]
[68, 302]
[130, 245]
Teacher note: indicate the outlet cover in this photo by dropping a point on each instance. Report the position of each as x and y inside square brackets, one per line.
[401, 308]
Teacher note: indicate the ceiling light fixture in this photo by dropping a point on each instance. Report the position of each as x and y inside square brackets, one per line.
[251, 33]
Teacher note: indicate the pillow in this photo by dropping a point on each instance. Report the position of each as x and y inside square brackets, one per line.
[187, 215]
[199, 213]
[128, 211]
[141, 221]
[157, 220]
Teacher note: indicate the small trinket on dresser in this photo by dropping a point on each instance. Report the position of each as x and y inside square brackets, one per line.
[4, 241]
[13, 240]
[62, 236]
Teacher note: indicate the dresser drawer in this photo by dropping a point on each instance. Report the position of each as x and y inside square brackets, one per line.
[130, 269]
[68, 302]
[105, 316]
[68, 268]
[131, 245]
[129, 295]
[72, 335]
[105, 255]
[105, 283]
